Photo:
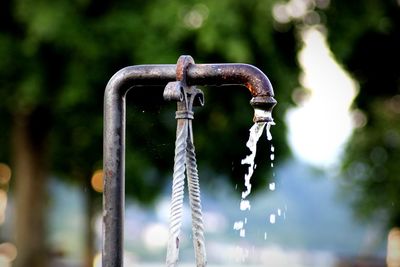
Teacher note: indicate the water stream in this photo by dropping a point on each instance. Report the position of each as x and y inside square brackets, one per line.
[255, 133]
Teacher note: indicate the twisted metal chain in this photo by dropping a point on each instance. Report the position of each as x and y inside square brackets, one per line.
[195, 202]
[185, 158]
[178, 184]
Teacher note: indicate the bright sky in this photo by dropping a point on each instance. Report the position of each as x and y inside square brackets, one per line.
[322, 123]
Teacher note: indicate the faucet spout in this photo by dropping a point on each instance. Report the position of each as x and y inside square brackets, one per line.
[228, 74]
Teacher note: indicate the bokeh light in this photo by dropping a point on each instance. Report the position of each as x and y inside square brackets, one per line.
[195, 17]
[3, 205]
[97, 181]
[8, 252]
[97, 260]
[323, 122]
[155, 236]
[5, 173]
[393, 248]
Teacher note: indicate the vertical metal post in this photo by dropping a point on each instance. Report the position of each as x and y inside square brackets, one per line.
[114, 187]
[114, 153]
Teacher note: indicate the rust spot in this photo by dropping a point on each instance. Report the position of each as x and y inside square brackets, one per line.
[109, 173]
[181, 67]
[251, 88]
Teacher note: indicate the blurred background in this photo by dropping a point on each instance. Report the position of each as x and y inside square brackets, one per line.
[330, 197]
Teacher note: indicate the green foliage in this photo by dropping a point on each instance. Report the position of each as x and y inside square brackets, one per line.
[371, 166]
[366, 39]
[60, 55]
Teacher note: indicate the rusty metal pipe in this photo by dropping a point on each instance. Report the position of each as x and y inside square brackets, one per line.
[229, 74]
[197, 74]
[224, 74]
[114, 130]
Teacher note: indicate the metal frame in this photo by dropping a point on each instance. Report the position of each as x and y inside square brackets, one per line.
[114, 129]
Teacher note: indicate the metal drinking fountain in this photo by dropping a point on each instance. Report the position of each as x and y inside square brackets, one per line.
[180, 81]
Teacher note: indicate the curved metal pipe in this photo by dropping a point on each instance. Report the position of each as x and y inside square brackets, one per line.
[114, 130]
[228, 74]
[114, 152]
[197, 74]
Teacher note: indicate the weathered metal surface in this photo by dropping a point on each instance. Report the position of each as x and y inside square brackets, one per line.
[223, 74]
[114, 129]
[181, 67]
[114, 152]
[227, 74]
[178, 186]
[185, 159]
[173, 92]
[195, 202]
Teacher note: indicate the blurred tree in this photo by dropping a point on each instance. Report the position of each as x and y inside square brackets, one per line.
[56, 58]
[366, 39]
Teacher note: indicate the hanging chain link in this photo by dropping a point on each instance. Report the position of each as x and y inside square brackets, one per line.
[185, 159]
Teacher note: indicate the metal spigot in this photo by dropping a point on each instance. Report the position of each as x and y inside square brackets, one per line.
[263, 106]
[231, 74]
[114, 129]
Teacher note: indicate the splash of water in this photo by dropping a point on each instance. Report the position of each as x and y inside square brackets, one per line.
[272, 186]
[242, 232]
[255, 133]
[245, 205]
[272, 218]
[269, 135]
[238, 225]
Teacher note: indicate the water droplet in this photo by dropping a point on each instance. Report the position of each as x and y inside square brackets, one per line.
[279, 212]
[268, 129]
[272, 186]
[272, 156]
[242, 232]
[272, 164]
[265, 235]
[272, 218]
[272, 148]
[245, 205]
[238, 225]
[245, 220]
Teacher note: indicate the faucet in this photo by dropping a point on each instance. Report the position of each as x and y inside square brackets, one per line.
[114, 127]
[232, 74]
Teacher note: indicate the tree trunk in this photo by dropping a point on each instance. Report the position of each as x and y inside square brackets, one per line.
[30, 133]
